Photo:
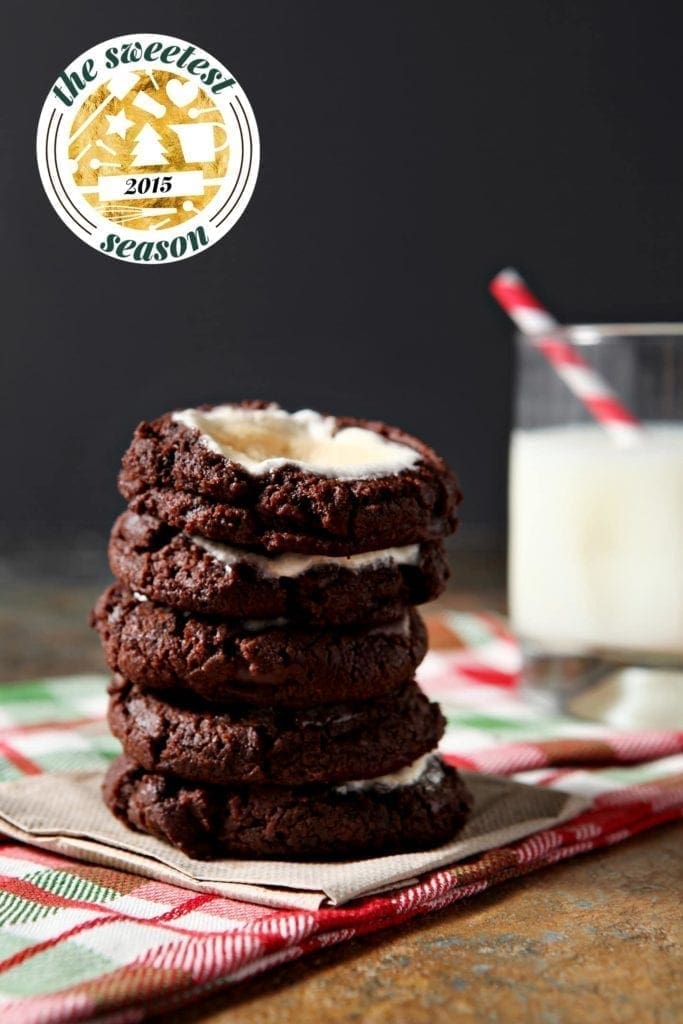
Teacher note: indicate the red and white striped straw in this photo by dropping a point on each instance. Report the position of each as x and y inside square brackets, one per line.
[513, 295]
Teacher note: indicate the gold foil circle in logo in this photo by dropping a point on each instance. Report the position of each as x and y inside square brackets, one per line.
[140, 129]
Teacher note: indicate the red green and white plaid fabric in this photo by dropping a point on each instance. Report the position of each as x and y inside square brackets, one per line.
[85, 943]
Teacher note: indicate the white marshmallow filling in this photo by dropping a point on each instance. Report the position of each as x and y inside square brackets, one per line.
[291, 565]
[426, 769]
[261, 440]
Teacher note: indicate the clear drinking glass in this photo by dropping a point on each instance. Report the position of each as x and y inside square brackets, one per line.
[596, 529]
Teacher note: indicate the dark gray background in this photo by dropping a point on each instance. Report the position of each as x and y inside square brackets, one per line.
[410, 149]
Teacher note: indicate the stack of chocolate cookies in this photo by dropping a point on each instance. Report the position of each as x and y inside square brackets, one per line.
[264, 640]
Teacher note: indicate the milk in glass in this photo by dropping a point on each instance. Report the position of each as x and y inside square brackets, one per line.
[596, 539]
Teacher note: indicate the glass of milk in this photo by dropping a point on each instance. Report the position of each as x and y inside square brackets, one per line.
[596, 530]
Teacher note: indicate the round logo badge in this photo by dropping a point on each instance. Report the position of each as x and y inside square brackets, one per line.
[148, 149]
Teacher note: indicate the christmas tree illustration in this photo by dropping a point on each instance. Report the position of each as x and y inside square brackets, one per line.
[148, 151]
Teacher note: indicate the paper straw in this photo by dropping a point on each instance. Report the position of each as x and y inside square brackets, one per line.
[513, 295]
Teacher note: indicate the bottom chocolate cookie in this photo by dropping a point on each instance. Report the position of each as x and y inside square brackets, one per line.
[419, 807]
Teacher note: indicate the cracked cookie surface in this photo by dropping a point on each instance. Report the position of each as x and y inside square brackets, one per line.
[162, 648]
[170, 473]
[317, 822]
[172, 568]
[327, 743]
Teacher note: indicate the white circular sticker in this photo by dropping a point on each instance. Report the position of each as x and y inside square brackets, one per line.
[148, 149]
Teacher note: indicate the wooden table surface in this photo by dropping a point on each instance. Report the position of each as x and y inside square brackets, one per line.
[595, 939]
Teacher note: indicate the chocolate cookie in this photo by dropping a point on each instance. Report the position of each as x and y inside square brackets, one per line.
[238, 743]
[316, 822]
[165, 649]
[251, 474]
[203, 576]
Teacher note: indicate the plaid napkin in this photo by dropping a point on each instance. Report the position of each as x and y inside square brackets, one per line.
[86, 942]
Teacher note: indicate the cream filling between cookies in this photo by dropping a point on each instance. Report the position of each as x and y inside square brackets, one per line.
[262, 625]
[261, 440]
[399, 627]
[291, 565]
[408, 776]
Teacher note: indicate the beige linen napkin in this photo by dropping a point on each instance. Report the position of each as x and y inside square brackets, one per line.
[65, 814]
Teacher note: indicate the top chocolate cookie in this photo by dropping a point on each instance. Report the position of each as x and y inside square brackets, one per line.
[250, 473]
